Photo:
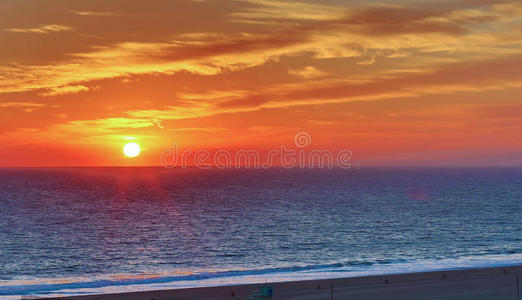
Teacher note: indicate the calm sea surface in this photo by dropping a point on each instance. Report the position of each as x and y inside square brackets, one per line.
[92, 230]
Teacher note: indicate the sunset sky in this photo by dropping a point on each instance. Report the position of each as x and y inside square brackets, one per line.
[405, 82]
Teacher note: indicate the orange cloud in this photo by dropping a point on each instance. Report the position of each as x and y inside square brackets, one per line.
[62, 90]
[307, 72]
[41, 29]
[93, 13]
[20, 104]
[457, 78]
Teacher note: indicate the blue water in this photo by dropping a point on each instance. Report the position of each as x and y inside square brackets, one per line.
[91, 230]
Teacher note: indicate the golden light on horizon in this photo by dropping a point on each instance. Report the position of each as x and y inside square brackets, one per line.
[131, 150]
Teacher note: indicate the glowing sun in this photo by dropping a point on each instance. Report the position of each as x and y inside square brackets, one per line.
[131, 149]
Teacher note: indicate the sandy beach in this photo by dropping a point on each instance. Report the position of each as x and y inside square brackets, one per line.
[486, 283]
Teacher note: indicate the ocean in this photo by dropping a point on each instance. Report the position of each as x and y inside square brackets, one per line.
[73, 231]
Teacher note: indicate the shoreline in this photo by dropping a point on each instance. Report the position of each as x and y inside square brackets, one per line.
[477, 283]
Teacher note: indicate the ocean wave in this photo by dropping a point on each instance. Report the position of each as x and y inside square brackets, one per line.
[296, 272]
[32, 288]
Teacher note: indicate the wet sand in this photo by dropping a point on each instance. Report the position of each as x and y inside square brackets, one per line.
[487, 283]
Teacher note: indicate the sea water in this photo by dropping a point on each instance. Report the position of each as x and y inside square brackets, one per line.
[72, 231]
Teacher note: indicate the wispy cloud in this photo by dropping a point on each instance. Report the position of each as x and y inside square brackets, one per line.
[21, 104]
[390, 31]
[270, 10]
[307, 72]
[93, 13]
[43, 29]
[62, 90]
[460, 77]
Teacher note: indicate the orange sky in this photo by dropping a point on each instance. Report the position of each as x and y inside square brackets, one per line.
[405, 82]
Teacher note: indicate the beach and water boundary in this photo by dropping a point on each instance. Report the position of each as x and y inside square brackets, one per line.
[481, 283]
